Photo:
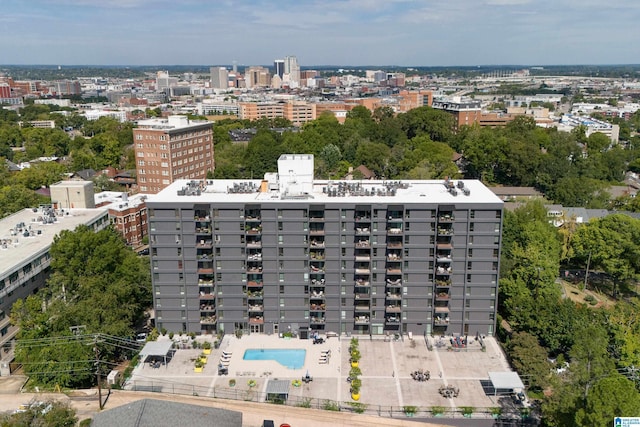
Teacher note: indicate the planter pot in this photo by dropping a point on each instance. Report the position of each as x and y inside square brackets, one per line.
[355, 396]
[203, 359]
[354, 364]
[207, 351]
[198, 369]
[409, 414]
[466, 415]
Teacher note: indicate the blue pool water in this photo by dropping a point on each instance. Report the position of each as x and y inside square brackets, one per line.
[292, 359]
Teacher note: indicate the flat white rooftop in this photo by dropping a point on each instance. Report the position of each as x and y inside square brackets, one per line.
[327, 192]
[16, 249]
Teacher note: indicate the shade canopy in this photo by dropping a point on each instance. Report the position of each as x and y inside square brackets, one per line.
[506, 381]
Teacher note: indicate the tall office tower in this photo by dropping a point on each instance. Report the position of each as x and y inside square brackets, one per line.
[278, 64]
[172, 148]
[219, 78]
[292, 253]
[291, 70]
[256, 76]
[164, 81]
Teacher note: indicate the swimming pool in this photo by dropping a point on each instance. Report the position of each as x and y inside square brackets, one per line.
[289, 358]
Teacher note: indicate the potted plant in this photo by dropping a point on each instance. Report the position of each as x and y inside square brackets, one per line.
[199, 366]
[355, 389]
[410, 410]
[355, 357]
[355, 372]
[496, 412]
[206, 347]
[232, 383]
[437, 411]
[467, 411]
[251, 383]
[202, 358]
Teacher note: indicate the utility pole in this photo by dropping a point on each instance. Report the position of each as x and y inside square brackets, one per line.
[586, 274]
[97, 364]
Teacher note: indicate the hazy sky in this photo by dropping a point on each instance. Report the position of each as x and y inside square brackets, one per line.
[320, 32]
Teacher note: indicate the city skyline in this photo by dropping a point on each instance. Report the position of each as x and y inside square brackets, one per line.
[336, 32]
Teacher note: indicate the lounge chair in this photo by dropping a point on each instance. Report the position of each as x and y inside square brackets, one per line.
[227, 353]
[224, 363]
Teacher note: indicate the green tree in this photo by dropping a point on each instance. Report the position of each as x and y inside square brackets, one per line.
[529, 358]
[610, 397]
[49, 413]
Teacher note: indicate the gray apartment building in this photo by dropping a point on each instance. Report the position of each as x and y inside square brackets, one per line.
[25, 242]
[290, 253]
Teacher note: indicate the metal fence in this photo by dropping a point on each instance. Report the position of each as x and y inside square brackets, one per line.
[251, 395]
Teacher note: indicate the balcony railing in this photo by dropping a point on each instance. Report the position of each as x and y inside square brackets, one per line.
[208, 320]
[394, 231]
[394, 282]
[317, 307]
[393, 309]
[392, 319]
[254, 284]
[258, 320]
[317, 320]
[207, 308]
[256, 308]
[316, 243]
[363, 231]
[361, 320]
[254, 243]
[204, 244]
[441, 320]
[446, 218]
[362, 296]
[393, 296]
[207, 296]
[363, 244]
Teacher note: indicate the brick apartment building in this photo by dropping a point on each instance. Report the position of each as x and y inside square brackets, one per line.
[172, 148]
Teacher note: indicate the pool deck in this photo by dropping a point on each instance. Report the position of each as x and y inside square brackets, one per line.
[386, 367]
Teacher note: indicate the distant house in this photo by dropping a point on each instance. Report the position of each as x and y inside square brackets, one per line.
[84, 174]
[366, 172]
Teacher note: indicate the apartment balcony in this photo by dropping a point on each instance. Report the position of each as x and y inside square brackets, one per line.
[444, 244]
[256, 256]
[205, 270]
[446, 217]
[443, 283]
[441, 309]
[394, 270]
[394, 256]
[392, 308]
[363, 231]
[316, 217]
[316, 256]
[317, 320]
[314, 243]
[363, 270]
[362, 296]
[207, 320]
[317, 294]
[394, 231]
[254, 284]
[254, 243]
[394, 320]
[394, 282]
[204, 244]
[362, 308]
[443, 271]
[207, 308]
[205, 281]
[394, 244]
[256, 320]
[362, 217]
[317, 282]
[317, 269]
[252, 217]
[361, 282]
[363, 244]
[441, 259]
[363, 257]
[203, 230]
[441, 320]
[318, 307]
[255, 308]
[394, 296]
[442, 231]
[443, 296]
[207, 296]
[394, 219]
[255, 296]
[316, 231]
[361, 320]
[205, 218]
[254, 269]
[253, 230]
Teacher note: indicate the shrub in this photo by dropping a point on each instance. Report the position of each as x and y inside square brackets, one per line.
[232, 383]
[163, 331]
[467, 410]
[304, 403]
[410, 409]
[170, 335]
[591, 299]
[358, 407]
[206, 345]
[437, 410]
[355, 372]
[330, 405]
